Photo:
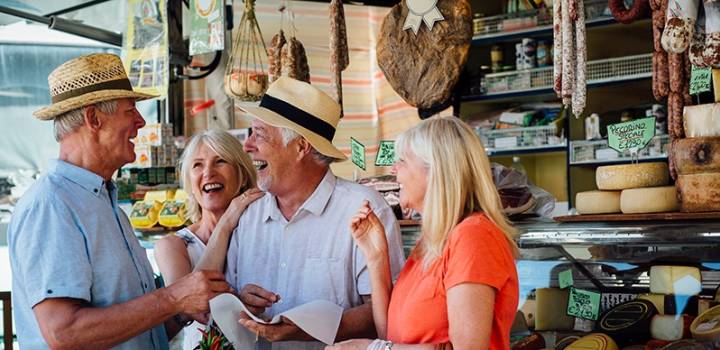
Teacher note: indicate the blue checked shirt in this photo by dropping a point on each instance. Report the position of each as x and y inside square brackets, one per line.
[69, 239]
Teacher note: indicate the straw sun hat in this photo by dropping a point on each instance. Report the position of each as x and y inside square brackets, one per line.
[303, 108]
[85, 80]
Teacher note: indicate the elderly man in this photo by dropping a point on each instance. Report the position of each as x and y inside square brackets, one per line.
[80, 277]
[294, 245]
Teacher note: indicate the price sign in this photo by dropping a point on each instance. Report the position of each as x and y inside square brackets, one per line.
[386, 154]
[566, 279]
[584, 304]
[700, 79]
[357, 151]
[632, 135]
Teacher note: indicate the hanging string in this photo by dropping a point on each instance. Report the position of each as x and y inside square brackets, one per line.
[245, 76]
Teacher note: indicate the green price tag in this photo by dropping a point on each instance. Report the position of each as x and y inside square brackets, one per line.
[583, 304]
[357, 151]
[566, 279]
[630, 135]
[700, 79]
[386, 154]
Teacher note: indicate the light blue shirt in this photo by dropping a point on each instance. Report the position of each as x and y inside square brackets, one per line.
[69, 239]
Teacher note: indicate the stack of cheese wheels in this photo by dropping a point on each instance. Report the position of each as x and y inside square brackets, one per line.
[674, 291]
[630, 189]
[697, 159]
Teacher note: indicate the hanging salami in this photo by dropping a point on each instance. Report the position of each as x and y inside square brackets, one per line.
[640, 9]
[339, 53]
[275, 55]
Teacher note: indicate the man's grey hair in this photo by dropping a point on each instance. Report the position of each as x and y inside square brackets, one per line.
[68, 122]
[290, 134]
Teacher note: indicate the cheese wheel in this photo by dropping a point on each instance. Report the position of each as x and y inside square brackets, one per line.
[628, 322]
[648, 200]
[620, 177]
[670, 327]
[706, 327]
[550, 312]
[699, 192]
[594, 341]
[698, 155]
[680, 280]
[684, 344]
[597, 202]
[702, 120]
[673, 304]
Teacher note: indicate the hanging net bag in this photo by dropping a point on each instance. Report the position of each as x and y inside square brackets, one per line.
[245, 75]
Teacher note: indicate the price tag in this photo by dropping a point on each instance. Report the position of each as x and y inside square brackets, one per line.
[700, 79]
[584, 304]
[635, 134]
[566, 279]
[357, 151]
[386, 154]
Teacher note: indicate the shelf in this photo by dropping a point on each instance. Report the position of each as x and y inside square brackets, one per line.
[620, 161]
[539, 31]
[526, 150]
[544, 233]
[538, 81]
[533, 23]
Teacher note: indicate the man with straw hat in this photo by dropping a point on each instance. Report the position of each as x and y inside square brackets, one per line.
[80, 277]
[294, 245]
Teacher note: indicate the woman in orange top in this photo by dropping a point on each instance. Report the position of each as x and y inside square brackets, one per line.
[459, 287]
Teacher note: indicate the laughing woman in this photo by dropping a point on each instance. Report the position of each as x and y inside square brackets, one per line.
[215, 170]
[459, 287]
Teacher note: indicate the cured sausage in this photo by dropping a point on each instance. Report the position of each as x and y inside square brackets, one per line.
[680, 17]
[676, 71]
[339, 55]
[557, 48]
[660, 82]
[640, 9]
[275, 55]
[568, 54]
[579, 96]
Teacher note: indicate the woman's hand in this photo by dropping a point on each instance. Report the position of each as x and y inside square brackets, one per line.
[369, 234]
[238, 205]
[352, 344]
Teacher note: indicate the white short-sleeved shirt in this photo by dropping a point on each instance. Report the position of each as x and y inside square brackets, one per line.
[312, 256]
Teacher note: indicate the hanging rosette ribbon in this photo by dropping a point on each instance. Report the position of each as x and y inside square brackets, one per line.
[421, 11]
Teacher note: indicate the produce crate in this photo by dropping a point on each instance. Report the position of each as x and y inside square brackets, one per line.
[588, 152]
[496, 140]
[598, 71]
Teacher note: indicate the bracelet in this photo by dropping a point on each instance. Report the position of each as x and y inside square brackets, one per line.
[379, 344]
[182, 321]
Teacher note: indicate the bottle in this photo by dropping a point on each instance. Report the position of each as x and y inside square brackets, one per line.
[544, 59]
[496, 57]
[517, 165]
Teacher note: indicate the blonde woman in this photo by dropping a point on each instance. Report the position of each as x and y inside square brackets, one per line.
[459, 287]
[215, 170]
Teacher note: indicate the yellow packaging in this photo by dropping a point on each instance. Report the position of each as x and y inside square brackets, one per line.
[145, 214]
[159, 196]
[172, 214]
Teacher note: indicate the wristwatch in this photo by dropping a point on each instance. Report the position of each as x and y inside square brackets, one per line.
[182, 321]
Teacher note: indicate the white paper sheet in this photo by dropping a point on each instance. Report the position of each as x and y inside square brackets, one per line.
[319, 318]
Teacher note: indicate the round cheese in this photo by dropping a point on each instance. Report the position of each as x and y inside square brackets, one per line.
[620, 177]
[595, 341]
[680, 280]
[702, 120]
[699, 192]
[698, 155]
[706, 327]
[673, 304]
[649, 200]
[628, 322]
[597, 202]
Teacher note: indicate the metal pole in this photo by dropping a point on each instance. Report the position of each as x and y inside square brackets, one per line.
[76, 7]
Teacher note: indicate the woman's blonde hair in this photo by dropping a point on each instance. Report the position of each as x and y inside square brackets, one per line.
[459, 181]
[228, 148]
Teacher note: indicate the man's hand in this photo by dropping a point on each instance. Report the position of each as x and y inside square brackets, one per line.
[283, 331]
[256, 299]
[192, 293]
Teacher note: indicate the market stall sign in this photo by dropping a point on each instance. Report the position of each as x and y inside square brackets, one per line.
[566, 279]
[357, 153]
[632, 135]
[207, 32]
[584, 304]
[386, 154]
[700, 78]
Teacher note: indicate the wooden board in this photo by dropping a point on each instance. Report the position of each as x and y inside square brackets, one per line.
[639, 217]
